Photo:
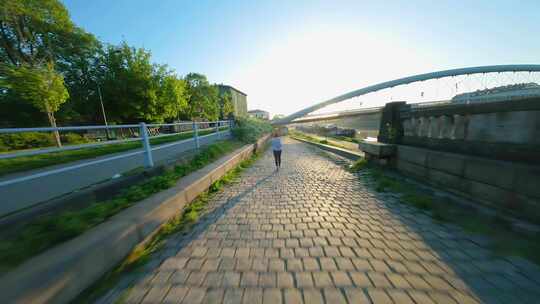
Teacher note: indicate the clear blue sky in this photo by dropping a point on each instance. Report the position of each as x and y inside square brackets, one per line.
[289, 54]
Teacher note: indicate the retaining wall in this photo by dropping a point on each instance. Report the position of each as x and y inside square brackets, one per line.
[513, 186]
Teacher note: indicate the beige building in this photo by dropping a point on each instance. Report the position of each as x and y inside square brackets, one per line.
[260, 114]
[238, 98]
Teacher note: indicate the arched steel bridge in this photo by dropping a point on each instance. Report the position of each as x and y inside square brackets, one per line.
[411, 79]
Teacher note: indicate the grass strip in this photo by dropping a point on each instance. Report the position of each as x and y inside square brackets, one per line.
[179, 224]
[304, 136]
[505, 241]
[50, 230]
[25, 163]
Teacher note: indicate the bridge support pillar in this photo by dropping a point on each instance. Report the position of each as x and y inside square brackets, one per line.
[391, 128]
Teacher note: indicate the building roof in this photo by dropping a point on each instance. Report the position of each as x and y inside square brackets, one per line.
[231, 88]
[257, 110]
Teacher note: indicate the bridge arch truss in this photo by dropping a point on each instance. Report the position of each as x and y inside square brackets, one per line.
[412, 79]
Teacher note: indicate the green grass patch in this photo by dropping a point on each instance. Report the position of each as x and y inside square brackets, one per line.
[50, 230]
[345, 138]
[304, 136]
[358, 165]
[26, 163]
[179, 224]
[420, 201]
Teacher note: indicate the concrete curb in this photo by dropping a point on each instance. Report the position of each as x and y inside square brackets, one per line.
[339, 151]
[58, 275]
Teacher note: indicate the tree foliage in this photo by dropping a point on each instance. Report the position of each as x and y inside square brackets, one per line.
[202, 98]
[225, 105]
[37, 35]
[41, 87]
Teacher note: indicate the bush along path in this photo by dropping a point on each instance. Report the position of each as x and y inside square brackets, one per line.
[116, 283]
[50, 230]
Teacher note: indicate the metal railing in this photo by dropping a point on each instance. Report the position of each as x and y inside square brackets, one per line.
[145, 132]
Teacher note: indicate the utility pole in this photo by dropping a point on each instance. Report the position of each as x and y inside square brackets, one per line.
[103, 111]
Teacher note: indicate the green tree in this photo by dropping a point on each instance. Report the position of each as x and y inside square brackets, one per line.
[134, 89]
[41, 87]
[32, 31]
[203, 99]
[226, 106]
[36, 33]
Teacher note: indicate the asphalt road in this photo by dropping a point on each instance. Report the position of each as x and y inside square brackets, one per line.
[23, 190]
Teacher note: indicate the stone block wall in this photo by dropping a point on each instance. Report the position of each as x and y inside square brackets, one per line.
[511, 186]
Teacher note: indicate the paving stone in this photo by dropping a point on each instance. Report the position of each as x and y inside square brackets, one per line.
[378, 296]
[420, 297]
[356, 296]
[231, 279]
[233, 296]
[334, 295]
[271, 296]
[322, 279]
[341, 279]
[176, 294]
[328, 264]
[360, 279]
[253, 296]
[267, 279]
[399, 296]
[313, 296]
[213, 296]
[194, 296]
[156, 294]
[303, 279]
[249, 279]
[441, 298]
[398, 281]
[292, 296]
[276, 265]
[285, 280]
[310, 264]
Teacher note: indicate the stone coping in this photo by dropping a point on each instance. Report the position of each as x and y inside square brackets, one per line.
[339, 151]
[378, 149]
[59, 274]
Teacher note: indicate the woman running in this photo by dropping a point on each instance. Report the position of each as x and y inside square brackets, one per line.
[276, 147]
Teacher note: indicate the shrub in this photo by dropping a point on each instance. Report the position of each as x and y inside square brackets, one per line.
[29, 140]
[248, 130]
[324, 142]
[74, 138]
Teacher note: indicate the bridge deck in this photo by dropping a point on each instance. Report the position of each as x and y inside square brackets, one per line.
[315, 233]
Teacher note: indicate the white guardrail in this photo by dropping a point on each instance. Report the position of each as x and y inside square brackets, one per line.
[25, 189]
[143, 131]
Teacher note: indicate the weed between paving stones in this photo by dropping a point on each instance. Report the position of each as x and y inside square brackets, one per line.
[50, 230]
[504, 241]
[179, 224]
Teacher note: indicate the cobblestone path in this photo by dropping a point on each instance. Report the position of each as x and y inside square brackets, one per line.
[315, 233]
